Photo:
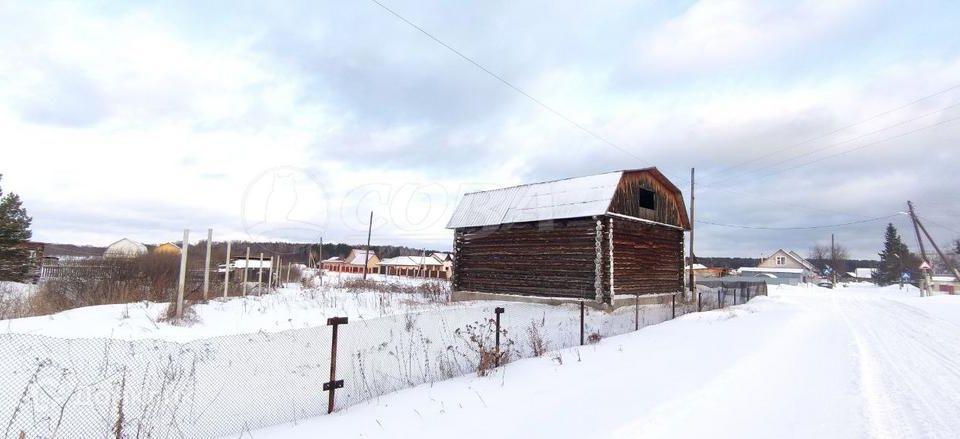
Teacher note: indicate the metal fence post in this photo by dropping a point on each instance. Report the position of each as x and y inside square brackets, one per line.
[581, 323]
[636, 315]
[673, 306]
[699, 302]
[719, 304]
[334, 384]
[496, 360]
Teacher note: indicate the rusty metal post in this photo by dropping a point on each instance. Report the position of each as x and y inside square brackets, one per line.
[719, 304]
[636, 312]
[334, 384]
[581, 323]
[735, 294]
[673, 306]
[699, 302]
[496, 360]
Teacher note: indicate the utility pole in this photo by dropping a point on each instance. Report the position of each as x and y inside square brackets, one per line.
[923, 251]
[956, 272]
[183, 272]
[206, 265]
[833, 259]
[366, 256]
[320, 268]
[226, 273]
[693, 277]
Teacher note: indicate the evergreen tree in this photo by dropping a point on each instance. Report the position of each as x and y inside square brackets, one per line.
[895, 259]
[14, 231]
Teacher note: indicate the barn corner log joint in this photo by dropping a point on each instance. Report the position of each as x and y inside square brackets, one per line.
[590, 238]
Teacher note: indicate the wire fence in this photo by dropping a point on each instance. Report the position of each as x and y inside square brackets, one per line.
[228, 385]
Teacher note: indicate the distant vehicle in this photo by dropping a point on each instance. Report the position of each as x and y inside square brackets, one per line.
[825, 284]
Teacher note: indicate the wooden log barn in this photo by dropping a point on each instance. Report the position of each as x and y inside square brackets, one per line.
[602, 238]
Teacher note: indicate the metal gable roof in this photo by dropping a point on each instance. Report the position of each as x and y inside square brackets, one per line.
[568, 198]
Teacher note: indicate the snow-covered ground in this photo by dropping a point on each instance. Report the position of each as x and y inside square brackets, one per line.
[288, 308]
[859, 361]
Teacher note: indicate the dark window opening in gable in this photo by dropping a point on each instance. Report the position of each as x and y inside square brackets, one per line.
[648, 199]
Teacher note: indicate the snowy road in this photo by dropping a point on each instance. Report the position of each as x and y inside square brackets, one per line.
[805, 362]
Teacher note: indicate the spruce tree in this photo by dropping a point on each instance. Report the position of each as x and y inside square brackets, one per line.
[895, 259]
[14, 231]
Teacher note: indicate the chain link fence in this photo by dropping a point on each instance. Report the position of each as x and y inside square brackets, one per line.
[228, 385]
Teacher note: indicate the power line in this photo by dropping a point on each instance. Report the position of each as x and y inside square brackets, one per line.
[507, 83]
[833, 145]
[866, 145]
[825, 226]
[873, 117]
[933, 223]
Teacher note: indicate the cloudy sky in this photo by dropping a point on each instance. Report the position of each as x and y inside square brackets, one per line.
[291, 121]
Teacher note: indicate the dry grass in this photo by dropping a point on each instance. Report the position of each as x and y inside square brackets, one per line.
[480, 337]
[538, 344]
[434, 291]
[101, 282]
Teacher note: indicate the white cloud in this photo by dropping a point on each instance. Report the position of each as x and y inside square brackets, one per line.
[717, 33]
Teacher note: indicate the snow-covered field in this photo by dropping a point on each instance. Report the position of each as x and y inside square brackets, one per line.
[248, 363]
[289, 308]
[805, 362]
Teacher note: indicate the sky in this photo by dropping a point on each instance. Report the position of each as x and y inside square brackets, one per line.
[292, 121]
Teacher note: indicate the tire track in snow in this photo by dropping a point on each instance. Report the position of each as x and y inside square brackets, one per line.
[910, 368]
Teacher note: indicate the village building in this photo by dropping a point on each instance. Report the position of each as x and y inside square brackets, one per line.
[353, 262]
[862, 274]
[252, 265]
[434, 265]
[601, 238]
[167, 249]
[125, 248]
[944, 284]
[787, 266]
[701, 271]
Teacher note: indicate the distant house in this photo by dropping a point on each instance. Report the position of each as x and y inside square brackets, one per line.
[125, 248]
[776, 276]
[447, 260]
[944, 284]
[167, 249]
[421, 266]
[701, 271]
[785, 263]
[353, 262]
[253, 266]
[863, 274]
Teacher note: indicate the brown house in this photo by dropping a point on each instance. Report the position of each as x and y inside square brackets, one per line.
[596, 237]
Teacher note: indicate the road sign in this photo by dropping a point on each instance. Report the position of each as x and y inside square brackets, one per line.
[925, 266]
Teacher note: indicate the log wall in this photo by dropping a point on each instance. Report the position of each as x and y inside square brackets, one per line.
[647, 258]
[557, 259]
[551, 258]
